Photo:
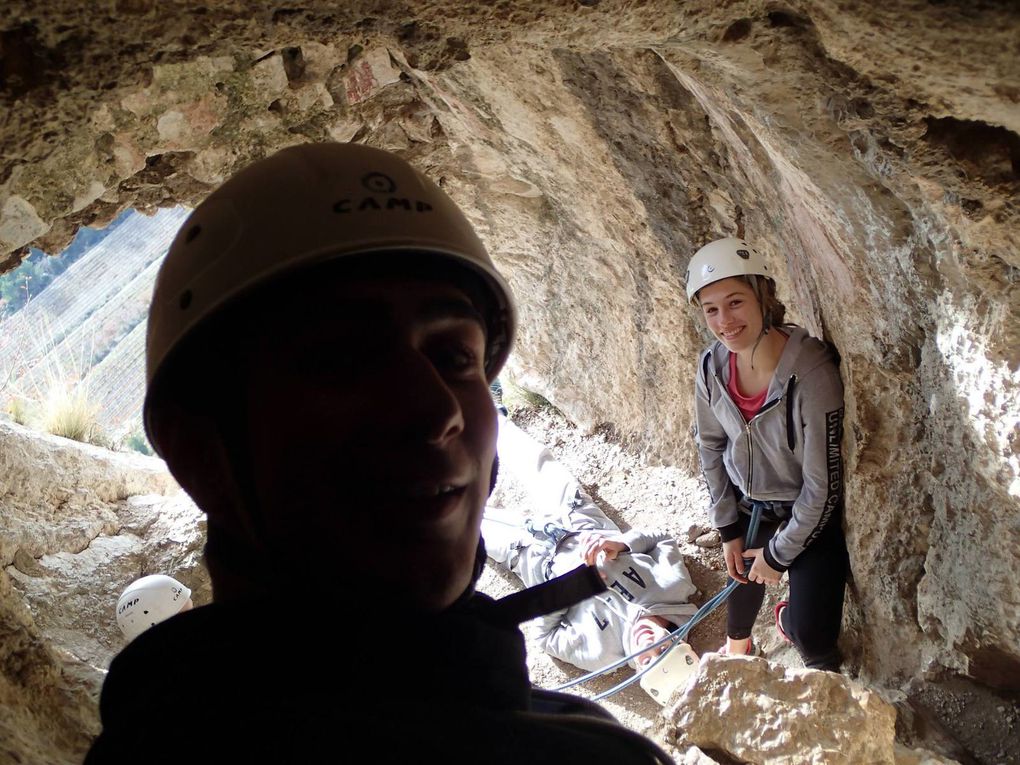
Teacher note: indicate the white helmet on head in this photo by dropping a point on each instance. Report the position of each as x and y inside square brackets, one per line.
[148, 601]
[306, 205]
[722, 259]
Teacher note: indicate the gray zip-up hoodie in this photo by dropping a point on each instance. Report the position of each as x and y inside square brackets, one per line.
[789, 452]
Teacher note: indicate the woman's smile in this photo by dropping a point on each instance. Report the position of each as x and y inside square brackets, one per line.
[733, 312]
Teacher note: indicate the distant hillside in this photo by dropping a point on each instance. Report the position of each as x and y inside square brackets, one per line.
[88, 324]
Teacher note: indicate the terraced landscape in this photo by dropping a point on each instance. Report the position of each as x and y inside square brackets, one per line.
[85, 331]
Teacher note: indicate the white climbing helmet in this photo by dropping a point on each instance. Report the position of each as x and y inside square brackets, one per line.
[723, 259]
[148, 601]
[302, 206]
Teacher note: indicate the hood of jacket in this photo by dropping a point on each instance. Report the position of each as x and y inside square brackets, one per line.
[801, 356]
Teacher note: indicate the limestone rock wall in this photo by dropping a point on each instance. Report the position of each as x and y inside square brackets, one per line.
[79, 524]
[871, 150]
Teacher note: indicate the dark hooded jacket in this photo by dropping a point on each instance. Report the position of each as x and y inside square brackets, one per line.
[308, 680]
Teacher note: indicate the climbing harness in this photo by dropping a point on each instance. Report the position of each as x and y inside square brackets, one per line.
[679, 633]
[550, 532]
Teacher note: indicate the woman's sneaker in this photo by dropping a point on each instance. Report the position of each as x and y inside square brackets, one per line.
[781, 607]
[752, 649]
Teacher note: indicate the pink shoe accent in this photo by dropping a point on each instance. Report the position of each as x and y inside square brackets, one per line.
[752, 649]
[780, 607]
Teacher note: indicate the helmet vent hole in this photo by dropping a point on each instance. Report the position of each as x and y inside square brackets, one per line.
[193, 233]
[145, 612]
[185, 300]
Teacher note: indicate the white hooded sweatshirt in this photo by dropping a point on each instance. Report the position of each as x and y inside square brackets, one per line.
[649, 579]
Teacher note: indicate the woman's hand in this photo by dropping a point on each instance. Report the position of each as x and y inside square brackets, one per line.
[761, 571]
[593, 543]
[733, 554]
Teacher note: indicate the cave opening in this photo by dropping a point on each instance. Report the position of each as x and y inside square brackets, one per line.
[870, 151]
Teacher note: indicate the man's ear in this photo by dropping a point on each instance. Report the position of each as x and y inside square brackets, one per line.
[196, 453]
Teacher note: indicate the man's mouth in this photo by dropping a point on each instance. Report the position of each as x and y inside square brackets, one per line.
[425, 502]
[428, 490]
[730, 334]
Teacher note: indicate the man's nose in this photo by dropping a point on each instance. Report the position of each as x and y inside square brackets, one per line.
[427, 410]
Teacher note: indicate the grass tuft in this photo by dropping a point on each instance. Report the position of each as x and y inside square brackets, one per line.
[18, 410]
[53, 397]
[68, 411]
[516, 397]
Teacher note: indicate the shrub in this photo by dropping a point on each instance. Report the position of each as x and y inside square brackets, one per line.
[68, 411]
[517, 397]
[137, 442]
[17, 409]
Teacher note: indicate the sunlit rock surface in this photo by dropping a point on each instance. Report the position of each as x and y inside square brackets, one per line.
[871, 150]
[755, 712]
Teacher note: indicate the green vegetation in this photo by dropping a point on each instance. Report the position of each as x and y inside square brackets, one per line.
[34, 273]
[137, 442]
[516, 397]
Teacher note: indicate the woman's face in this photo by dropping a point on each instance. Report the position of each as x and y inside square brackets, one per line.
[732, 312]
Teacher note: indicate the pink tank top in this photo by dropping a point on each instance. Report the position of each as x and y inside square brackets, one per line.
[748, 405]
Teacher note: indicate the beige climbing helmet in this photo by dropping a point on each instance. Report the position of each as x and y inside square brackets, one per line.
[302, 206]
[722, 259]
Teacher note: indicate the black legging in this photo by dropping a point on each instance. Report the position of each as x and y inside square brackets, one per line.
[817, 582]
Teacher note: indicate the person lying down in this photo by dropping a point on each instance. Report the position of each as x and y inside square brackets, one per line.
[648, 584]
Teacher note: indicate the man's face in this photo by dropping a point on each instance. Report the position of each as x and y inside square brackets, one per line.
[372, 435]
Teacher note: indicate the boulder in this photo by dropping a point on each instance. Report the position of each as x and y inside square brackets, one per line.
[756, 712]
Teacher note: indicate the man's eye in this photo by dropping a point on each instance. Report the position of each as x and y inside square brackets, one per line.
[456, 358]
[460, 358]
